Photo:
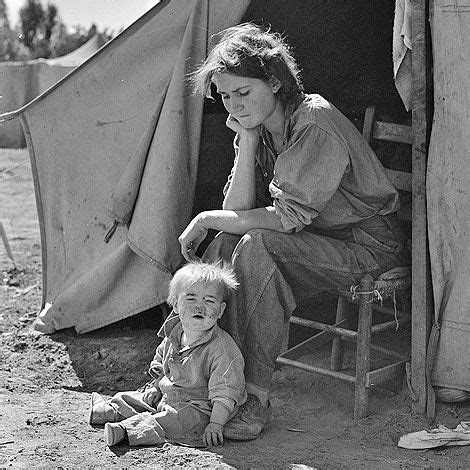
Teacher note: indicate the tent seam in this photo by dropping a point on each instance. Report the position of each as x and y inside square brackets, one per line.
[39, 208]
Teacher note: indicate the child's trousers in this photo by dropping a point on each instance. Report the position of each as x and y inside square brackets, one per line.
[182, 423]
[128, 404]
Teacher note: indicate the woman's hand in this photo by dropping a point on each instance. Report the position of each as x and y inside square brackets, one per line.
[192, 236]
[235, 125]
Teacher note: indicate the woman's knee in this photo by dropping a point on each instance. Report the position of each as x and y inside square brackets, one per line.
[235, 248]
[119, 396]
[253, 247]
[256, 239]
[221, 247]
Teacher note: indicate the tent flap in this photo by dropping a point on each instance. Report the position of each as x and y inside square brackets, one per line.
[120, 135]
[448, 194]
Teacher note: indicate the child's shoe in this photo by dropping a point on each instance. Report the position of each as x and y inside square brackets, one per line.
[249, 421]
[101, 411]
[114, 433]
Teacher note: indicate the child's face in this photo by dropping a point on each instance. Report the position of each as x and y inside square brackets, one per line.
[200, 306]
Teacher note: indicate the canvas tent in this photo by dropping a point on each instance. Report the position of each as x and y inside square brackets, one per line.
[118, 138]
[129, 152]
[20, 82]
[448, 178]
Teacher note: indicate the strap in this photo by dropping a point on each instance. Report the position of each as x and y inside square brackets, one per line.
[430, 357]
[111, 231]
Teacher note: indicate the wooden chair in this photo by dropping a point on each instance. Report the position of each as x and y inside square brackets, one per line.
[369, 295]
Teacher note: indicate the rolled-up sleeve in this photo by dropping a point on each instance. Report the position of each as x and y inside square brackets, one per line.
[307, 175]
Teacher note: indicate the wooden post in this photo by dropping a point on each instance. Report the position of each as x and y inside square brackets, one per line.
[337, 349]
[421, 301]
[361, 396]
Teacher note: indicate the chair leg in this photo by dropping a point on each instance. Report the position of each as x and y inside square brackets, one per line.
[285, 339]
[337, 349]
[361, 401]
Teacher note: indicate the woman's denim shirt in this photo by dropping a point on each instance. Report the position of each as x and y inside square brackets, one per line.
[326, 175]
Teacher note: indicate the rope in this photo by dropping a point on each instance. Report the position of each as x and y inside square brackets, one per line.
[355, 294]
[414, 395]
[377, 297]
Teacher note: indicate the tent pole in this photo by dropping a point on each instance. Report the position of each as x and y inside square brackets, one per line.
[421, 302]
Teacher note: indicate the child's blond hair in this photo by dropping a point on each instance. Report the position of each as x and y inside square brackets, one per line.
[194, 272]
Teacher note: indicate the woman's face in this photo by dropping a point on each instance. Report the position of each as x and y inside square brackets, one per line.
[250, 101]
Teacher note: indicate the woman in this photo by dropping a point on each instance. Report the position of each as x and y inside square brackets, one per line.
[307, 208]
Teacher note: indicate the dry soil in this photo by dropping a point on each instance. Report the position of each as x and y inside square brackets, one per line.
[46, 382]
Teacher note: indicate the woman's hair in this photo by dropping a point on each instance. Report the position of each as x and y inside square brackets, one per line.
[195, 272]
[247, 50]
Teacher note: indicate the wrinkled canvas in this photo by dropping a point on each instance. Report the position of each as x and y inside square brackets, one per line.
[448, 193]
[85, 140]
[21, 82]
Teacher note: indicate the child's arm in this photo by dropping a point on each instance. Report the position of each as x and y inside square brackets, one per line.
[226, 389]
[156, 366]
[153, 394]
[213, 433]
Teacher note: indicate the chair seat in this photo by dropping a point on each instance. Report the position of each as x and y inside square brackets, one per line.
[386, 285]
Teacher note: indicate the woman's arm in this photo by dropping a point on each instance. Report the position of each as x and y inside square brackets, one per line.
[241, 194]
[236, 222]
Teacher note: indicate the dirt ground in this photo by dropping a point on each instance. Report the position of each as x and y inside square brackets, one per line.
[46, 382]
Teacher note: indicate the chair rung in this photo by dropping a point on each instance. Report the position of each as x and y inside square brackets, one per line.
[383, 374]
[374, 377]
[383, 326]
[337, 330]
[324, 327]
[318, 370]
[385, 352]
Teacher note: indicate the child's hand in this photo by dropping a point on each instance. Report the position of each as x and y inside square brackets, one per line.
[151, 395]
[213, 435]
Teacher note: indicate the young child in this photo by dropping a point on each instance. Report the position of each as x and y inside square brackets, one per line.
[198, 370]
